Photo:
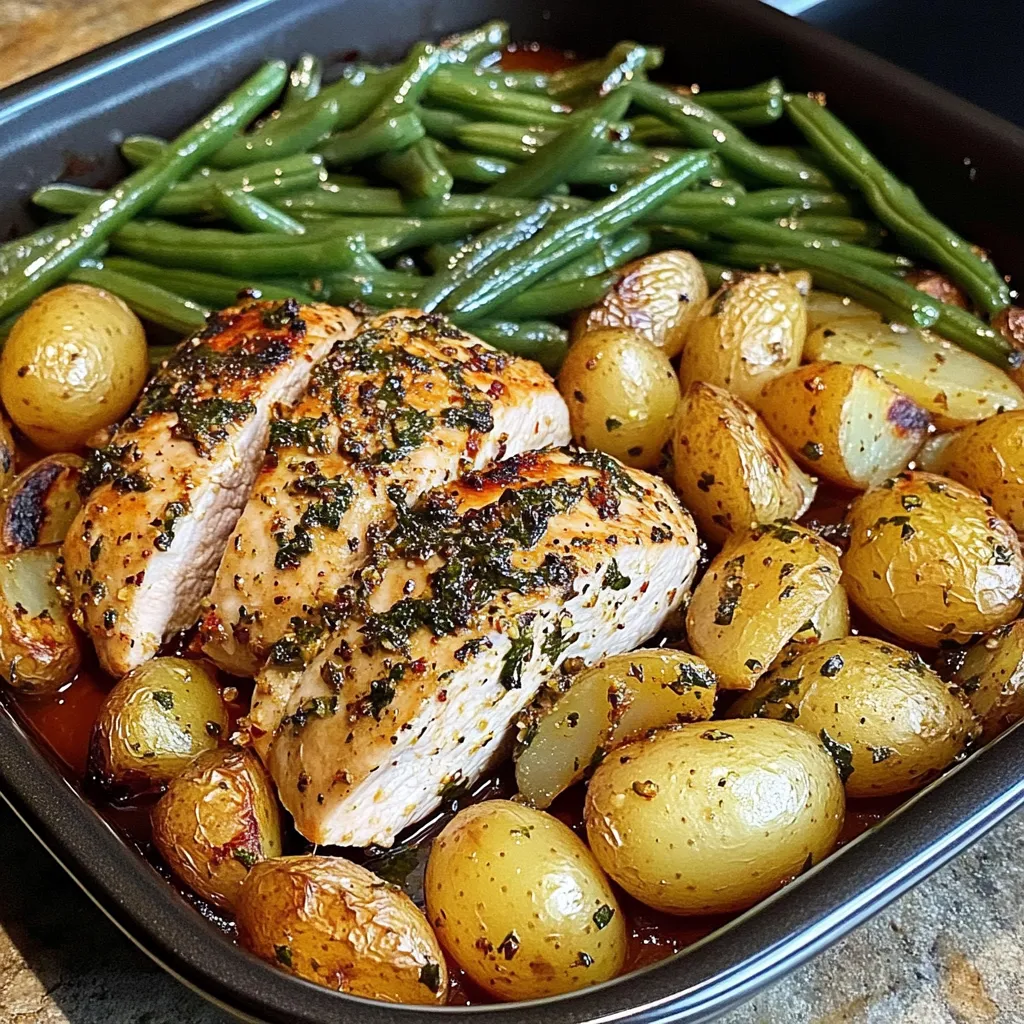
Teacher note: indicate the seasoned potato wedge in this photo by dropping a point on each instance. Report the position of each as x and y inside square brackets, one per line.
[829, 622]
[760, 590]
[824, 308]
[8, 454]
[991, 679]
[217, 819]
[617, 698]
[930, 561]
[887, 718]
[657, 296]
[988, 457]
[844, 422]
[333, 922]
[520, 904]
[728, 469]
[954, 386]
[39, 649]
[38, 506]
[712, 817]
[746, 334]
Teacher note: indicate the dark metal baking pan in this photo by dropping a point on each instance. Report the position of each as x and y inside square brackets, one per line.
[966, 163]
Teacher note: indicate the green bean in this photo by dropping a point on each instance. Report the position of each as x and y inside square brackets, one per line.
[758, 105]
[389, 236]
[473, 167]
[383, 290]
[158, 355]
[102, 217]
[716, 275]
[589, 76]
[609, 254]
[476, 255]
[151, 302]
[442, 124]
[334, 199]
[473, 46]
[303, 82]
[371, 138]
[501, 208]
[358, 91]
[704, 127]
[294, 131]
[560, 243]
[140, 150]
[521, 81]
[846, 229]
[617, 168]
[413, 79]
[538, 339]
[213, 290]
[511, 142]
[557, 299]
[490, 100]
[896, 206]
[418, 170]
[251, 213]
[406, 264]
[581, 139]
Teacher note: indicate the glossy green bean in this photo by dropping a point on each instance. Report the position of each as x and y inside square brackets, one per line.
[474, 168]
[358, 91]
[846, 229]
[303, 82]
[442, 124]
[518, 80]
[488, 99]
[609, 254]
[294, 131]
[250, 213]
[474, 45]
[559, 298]
[140, 150]
[510, 142]
[540, 340]
[371, 138]
[418, 170]
[382, 290]
[358, 200]
[589, 76]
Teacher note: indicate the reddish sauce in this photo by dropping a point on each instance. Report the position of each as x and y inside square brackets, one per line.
[536, 57]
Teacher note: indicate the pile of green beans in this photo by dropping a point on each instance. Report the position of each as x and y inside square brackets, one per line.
[506, 199]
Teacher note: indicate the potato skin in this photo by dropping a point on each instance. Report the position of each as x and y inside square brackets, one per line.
[217, 819]
[893, 722]
[991, 679]
[74, 362]
[658, 296]
[825, 308]
[842, 422]
[38, 506]
[930, 561]
[712, 817]
[333, 922]
[622, 394]
[759, 591]
[8, 454]
[519, 903]
[728, 469]
[746, 334]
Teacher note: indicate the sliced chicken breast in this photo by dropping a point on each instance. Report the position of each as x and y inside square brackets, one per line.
[483, 590]
[405, 405]
[167, 491]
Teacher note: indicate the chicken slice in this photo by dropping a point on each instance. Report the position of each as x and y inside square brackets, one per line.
[405, 405]
[166, 492]
[482, 591]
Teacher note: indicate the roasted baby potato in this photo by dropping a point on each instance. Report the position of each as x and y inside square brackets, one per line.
[845, 423]
[712, 817]
[829, 622]
[153, 722]
[728, 469]
[823, 308]
[74, 362]
[657, 296]
[988, 457]
[217, 819]
[519, 903]
[39, 649]
[930, 561]
[954, 386]
[991, 679]
[333, 922]
[622, 394]
[619, 697]
[746, 334]
[38, 506]
[887, 718]
[8, 454]
[760, 590]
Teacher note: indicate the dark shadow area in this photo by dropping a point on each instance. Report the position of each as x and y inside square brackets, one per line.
[91, 971]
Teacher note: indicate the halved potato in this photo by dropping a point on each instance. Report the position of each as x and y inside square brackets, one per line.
[991, 679]
[953, 385]
[607, 704]
[844, 422]
[830, 622]
[38, 506]
[933, 451]
[823, 308]
[758, 592]
[657, 296]
[39, 649]
[746, 334]
[728, 469]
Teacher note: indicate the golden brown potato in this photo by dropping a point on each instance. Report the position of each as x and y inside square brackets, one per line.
[38, 506]
[954, 386]
[932, 452]
[333, 922]
[930, 561]
[760, 590]
[823, 308]
[39, 649]
[938, 286]
[8, 454]
[657, 296]
[608, 703]
[888, 719]
[74, 362]
[622, 394]
[988, 457]
[712, 817]
[745, 335]
[991, 679]
[217, 819]
[845, 423]
[154, 721]
[829, 622]
[728, 469]
[519, 903]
